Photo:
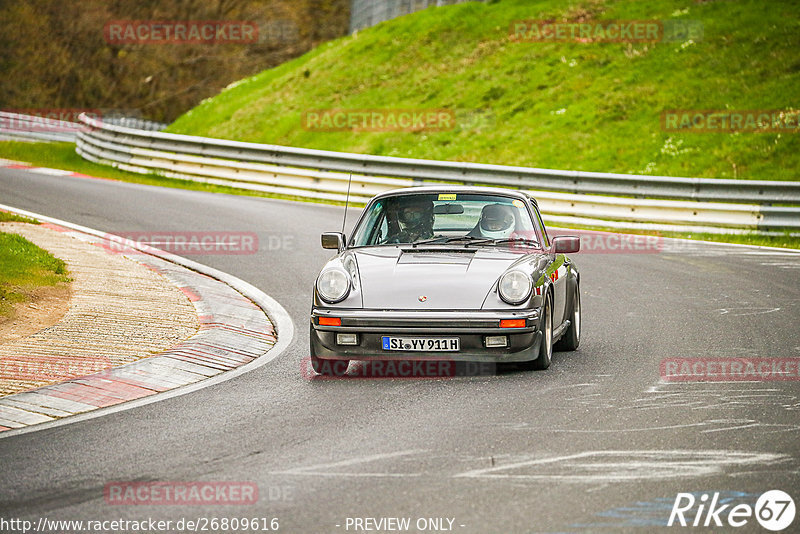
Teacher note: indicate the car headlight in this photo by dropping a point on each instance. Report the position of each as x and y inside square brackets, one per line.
[333, 286]
[515, 287]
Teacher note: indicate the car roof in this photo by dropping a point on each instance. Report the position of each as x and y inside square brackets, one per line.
[445, 188]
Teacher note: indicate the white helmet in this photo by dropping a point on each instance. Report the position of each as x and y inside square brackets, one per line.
[497, 221]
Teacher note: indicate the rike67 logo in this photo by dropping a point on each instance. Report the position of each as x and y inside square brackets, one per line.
[774, 510]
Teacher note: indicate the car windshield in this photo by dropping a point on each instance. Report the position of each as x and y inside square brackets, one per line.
[446, 218]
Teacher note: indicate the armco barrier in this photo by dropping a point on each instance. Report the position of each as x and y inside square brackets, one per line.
[16, 126]
[700, 189]
[30, 128]
[679, 203]
[568, 197]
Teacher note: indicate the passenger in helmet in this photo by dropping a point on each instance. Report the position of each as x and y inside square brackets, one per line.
[411, 219]
[497, 221]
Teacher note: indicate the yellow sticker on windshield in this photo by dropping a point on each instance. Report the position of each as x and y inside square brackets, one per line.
[447, 196]
[519, 203]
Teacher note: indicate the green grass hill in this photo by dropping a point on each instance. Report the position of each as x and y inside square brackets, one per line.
[593, 106]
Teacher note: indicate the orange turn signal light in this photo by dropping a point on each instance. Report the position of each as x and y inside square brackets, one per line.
[512, 323]
[330, 321]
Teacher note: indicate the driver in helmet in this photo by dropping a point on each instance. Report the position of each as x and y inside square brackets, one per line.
[411, 218]
[497, 221]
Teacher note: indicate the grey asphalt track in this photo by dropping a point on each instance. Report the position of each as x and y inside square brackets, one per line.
[596, 443]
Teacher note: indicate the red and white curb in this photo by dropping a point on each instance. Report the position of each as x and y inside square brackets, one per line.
[21, 165]
[241, 328]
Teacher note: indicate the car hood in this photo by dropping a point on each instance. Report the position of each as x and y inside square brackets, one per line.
[431, 279]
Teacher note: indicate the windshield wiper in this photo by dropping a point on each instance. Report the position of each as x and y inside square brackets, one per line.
[491, 242]
[469, 239]
[425, 241]
[519, 240]
[475, 240]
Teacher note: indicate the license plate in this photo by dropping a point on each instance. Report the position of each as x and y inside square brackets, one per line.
[421, 344]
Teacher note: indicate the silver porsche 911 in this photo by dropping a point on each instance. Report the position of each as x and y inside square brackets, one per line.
[464, 274]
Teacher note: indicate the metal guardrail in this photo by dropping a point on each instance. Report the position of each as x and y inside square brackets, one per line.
[32, 128]
[701, 189]
[561, 194]
[134, 122]
[22, 127]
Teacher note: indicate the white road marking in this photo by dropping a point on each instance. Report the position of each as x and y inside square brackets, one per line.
[740, 312]
[781, 265]
[769, 253]
[50, 172]
[606, 466]
[744, 424]
[324, 469]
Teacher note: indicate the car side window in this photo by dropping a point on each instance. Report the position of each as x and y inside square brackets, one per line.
[372, 232]
[383, 231]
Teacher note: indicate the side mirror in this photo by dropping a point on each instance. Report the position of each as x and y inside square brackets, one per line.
[566, 244]
[333, 240]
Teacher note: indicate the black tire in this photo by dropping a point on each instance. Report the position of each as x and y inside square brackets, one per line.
[572, 337]
[329, 367]
[546, 350]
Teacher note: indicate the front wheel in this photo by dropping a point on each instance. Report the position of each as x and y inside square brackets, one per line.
[546, 349]
[572, 337]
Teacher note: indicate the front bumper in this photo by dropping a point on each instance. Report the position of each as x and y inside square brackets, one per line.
[471, 327]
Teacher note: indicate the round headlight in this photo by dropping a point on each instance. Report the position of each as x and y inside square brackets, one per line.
[515, 287]
[333, 285]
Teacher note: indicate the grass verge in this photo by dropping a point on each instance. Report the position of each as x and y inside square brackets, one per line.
[24, 268]
[13, 217]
